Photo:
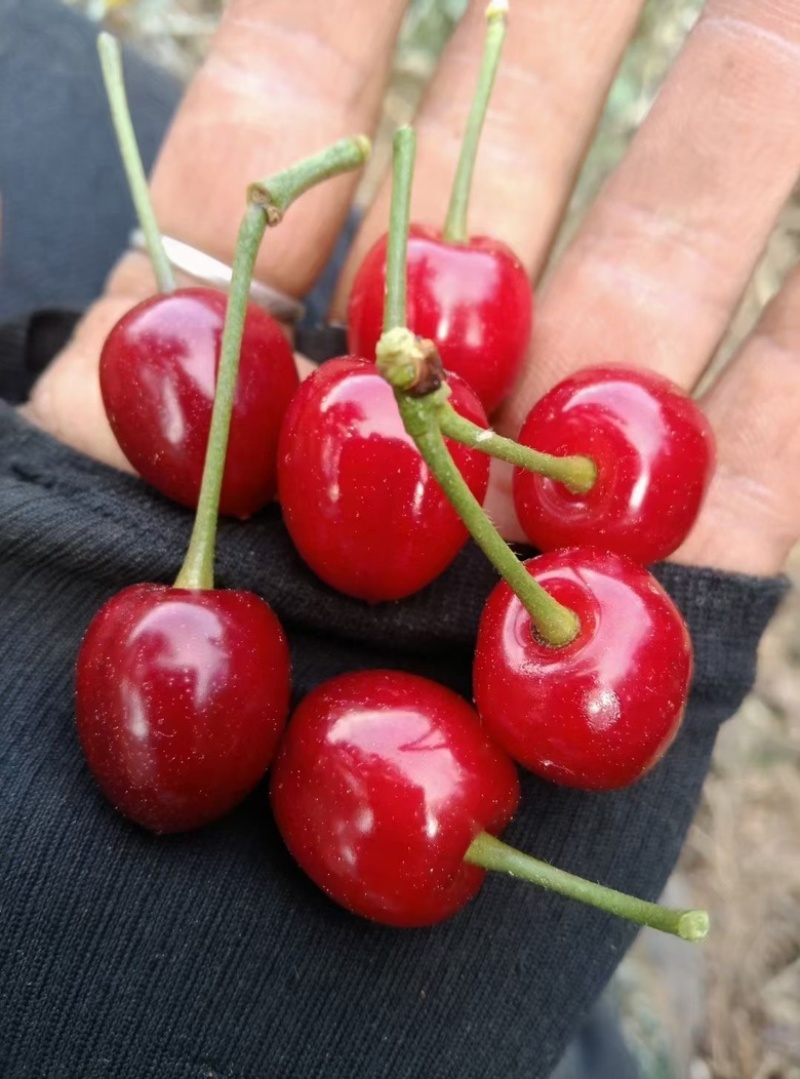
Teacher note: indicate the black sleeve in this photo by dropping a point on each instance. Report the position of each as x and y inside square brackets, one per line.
[209, 954]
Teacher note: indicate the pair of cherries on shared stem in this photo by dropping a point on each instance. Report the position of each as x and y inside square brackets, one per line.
[649, 446]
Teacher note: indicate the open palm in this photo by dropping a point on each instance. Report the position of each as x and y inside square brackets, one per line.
[652, 277]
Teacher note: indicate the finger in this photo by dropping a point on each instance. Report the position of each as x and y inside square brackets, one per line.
[557, 65]
[66, 400]
[282, 80]
[657, 268]
[751, 518]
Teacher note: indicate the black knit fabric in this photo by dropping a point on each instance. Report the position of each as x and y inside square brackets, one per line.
[209, 956]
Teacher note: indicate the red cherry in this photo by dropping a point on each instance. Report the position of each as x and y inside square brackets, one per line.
[473, 300]
[181, 697]
[601, 711]
[654, 452]
[157, 375]
[381, 784]
[358, 500]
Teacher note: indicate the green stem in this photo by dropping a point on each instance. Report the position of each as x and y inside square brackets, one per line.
[490, 853]
[111, 64]
[404, 146]
[413, 368]
[577, 473]
[276, 194]
[267, 202]
[556, 624]
[198, 566]
[455, 226]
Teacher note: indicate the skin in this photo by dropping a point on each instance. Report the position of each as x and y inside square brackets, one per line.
[651, 278]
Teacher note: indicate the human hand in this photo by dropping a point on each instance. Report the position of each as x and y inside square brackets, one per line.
[652, 277]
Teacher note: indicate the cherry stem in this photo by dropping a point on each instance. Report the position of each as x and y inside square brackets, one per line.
[111, 64]
[578, 474]
[455, 226]
[491, 853]
[404, 147]
[556, 624]
[276, 194]
[413, 368]
[267, 203]
[198, 566]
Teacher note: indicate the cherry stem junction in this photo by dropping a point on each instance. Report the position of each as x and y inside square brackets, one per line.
[491, 853]
[111, 64]
[455, 226]
[404, 148]
[276, 194]
[556, 624]
[578, 474]
[267, 203]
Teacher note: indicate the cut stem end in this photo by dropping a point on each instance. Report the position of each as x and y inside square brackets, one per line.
[491, 853]
[111, 65]
[578, 474]
[456, 225]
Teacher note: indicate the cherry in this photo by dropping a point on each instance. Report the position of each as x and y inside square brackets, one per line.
[653, 449]
[382, 782]
[159, 365]
[470, 295]
[389, 794]
[602, 710]
[473, 300]
[157, 375]
[359, 502]
[181, 697]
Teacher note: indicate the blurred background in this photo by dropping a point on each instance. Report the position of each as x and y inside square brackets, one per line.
[731, 1008]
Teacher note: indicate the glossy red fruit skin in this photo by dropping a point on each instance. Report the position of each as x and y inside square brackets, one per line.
[358, 501]
[158, 372]
[382, 781]
[655, 454]
[600, 712]
[473, 300]
[181, 698]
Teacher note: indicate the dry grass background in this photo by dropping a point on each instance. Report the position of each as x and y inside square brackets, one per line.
[730, 1010]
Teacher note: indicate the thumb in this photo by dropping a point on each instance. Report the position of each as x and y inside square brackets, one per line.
[751, 518]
